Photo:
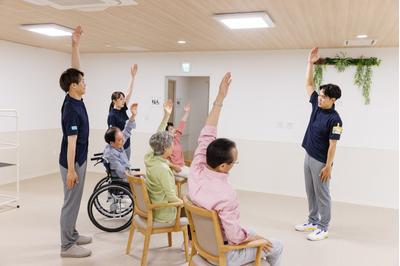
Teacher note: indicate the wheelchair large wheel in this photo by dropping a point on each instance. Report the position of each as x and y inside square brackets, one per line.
[102, 182]
[110, 208]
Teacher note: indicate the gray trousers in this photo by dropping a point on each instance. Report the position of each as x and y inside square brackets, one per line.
[70, 208]
[319, 199]
[247, 255]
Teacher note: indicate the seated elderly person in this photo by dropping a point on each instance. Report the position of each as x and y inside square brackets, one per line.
[114, 152]
[160, 180]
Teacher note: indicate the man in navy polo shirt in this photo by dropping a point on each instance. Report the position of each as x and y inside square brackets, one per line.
[73, 155]
[323, 131]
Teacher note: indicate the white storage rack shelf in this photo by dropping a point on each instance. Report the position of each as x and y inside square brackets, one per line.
[12, 147]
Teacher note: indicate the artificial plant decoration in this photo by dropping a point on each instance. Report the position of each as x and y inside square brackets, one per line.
[362, 77]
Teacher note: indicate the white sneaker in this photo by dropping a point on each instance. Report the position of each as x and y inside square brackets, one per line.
[318, 234]
[306, 227]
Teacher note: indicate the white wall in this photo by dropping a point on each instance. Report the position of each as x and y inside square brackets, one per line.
[198, 94]
[29, 83]
[266, 111]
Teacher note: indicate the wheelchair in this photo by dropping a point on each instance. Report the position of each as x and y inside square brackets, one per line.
[110, 207]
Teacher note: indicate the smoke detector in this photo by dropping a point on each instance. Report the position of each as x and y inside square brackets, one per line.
[82, 5]
[359, 42]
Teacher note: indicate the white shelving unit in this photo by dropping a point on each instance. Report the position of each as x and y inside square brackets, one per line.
[13, 147]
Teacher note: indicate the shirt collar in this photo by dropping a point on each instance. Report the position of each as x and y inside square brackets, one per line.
[215, 174]
[330, 110]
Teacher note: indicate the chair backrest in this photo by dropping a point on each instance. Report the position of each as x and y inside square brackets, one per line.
[140, 196]
[206, 230]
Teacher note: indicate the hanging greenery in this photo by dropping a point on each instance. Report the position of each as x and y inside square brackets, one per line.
[362, 77]
[318, 71]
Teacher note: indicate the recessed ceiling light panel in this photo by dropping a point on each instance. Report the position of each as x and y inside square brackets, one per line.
[49, 29]
[252, 20]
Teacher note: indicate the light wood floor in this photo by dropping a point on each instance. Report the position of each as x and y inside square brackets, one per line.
[359, 235]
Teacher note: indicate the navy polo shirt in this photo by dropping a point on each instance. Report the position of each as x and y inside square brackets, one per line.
[325, 124]
[117, 118]
[74, 121]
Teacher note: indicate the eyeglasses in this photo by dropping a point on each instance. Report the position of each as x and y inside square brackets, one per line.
[235, 162]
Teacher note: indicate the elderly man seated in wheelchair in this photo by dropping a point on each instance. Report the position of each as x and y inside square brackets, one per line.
[114, 152]
[110, 207]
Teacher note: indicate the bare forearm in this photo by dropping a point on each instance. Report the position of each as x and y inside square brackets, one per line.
[129, 91]
[331, 154]
[185, 116]
[213, 117]
[71, 156]
[75, 57]
[309, 79]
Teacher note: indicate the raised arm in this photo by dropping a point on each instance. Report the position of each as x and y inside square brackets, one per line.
[209, 133]
[76, 37]
[182, 123]
[130, 123]
[213, 117]
[167, 113]
[186, 114]
[312, 58]
[130, 86]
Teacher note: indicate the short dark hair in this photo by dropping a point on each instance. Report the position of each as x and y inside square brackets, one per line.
[220, 151]
[70, 76]
[169, 124]
[331, 90]
[110, 134]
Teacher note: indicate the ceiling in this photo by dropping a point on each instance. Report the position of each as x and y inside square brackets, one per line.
[157, 25]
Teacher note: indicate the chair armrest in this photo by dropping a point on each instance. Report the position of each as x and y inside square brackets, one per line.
[166, 205]
[252, 244]
[134, 173]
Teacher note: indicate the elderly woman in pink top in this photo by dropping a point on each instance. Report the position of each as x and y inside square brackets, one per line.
[209, 187]
[177, 161]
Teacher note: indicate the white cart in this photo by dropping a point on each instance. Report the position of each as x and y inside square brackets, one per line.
[13, 152]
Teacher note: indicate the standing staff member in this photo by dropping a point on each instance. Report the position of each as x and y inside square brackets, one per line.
[117, 116]
[73, 155]
[323, 131]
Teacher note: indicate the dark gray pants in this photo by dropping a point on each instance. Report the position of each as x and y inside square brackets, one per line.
[70, 208]
[319, 199]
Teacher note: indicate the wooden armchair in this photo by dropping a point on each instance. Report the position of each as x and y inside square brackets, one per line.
[142, 220]
[208, 246]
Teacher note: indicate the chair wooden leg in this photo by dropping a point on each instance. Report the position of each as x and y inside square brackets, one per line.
[186, 242]
[258, 256]
[222, 259]
[193, 252]
[130, 238]
[145, 248]
[170, 239]
[179, 190]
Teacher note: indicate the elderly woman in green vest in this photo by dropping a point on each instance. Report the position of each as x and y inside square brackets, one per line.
[160, 179]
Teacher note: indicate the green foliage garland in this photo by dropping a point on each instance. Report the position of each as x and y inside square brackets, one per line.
[362, 77]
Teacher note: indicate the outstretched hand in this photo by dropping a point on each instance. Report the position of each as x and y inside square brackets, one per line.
[224, 86]
[76, 35]
[134, 69]
[187, 108]
[168, 106]
[134, 109]
[313, 57]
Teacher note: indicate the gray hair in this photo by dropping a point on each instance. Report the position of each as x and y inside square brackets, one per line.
[160, 141]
